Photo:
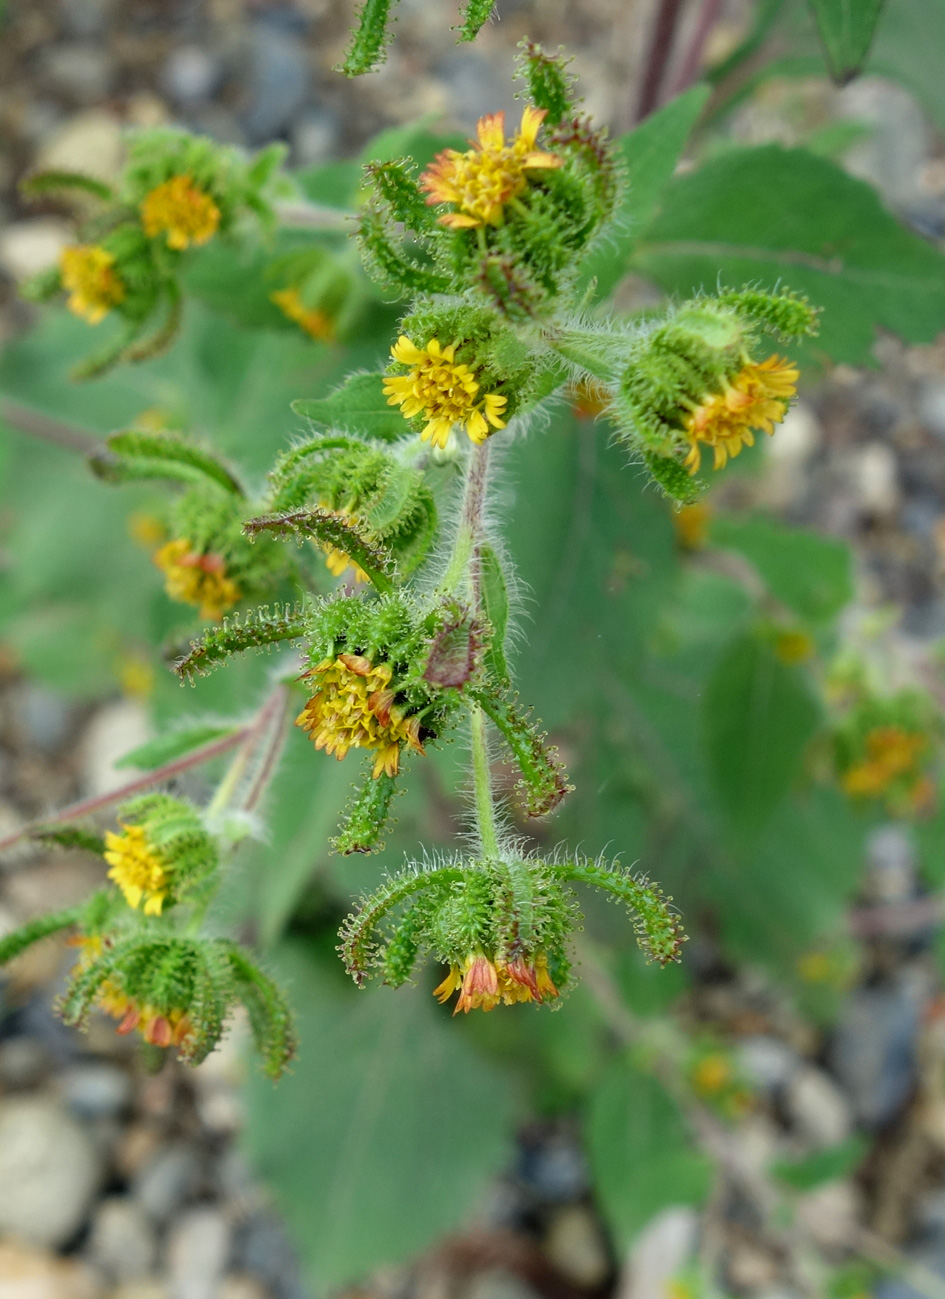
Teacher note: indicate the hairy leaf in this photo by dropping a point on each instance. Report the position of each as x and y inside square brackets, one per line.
[847, 28]
[359, 406]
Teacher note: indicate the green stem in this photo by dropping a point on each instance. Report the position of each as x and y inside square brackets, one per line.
[482, 784]
[462, 572]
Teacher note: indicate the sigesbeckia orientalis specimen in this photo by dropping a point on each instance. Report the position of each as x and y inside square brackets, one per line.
[161, 851]
[197, 577]
[444, 391]
[481, 181]
[754, 400]
[90, 279]
[181, 212]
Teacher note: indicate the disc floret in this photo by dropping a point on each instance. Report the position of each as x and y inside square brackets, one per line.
[181, 212]
[443, 390]
[91, 281]
[160, 851]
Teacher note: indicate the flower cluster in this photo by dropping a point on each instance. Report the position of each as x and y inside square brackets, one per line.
[499, 923]
[887, 750]
[177, 192]
[444, 391]
[161, 852]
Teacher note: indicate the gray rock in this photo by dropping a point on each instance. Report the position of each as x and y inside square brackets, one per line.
[498, 1285]
[767, 1061]
[198, 1252]
[554, 1169]
[43, 717]
[891, 859]
[85, 17]
[96, 1090]
[818, 1108]
[122, 1242]
[873, 1049]
[278, 81]
[661, 1251]
[23, 1061]
[165, 1182]
[932, 407]
[314, 136]
[191, 74]
[49, 1172]
[263, 1249]
[82, 70]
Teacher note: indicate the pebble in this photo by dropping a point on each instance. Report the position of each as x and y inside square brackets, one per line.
[874, 478]
[198, 1251]
[576, 1247]
[23, 1062]
[767, 1062]
[26, 1273]
[43, 717]
[95, 1090]
[29, 247]
[891, 861]
[166, 1181]
[873, 1052]
[831, 1213]
[262, 1248]
[50, 1171]
[817, 1108]
[114, 731]
[81, 70]
[932, 406]
[495, 1284]
[278, 81]
[191, 74]
[314, 137]
[85, 17]
[241, 1287]
[554, 1169]
[661, 1251]
[122, 1242]
[140, 1290]
[90, 142]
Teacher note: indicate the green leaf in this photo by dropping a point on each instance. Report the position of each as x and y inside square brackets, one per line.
[847, 28]
[649, 154]
[165, 748]
[358, 406]
[808, 572]
[759, 714]
[821, 1166]
[495, 601]
[770, 215]
[639, 1151]
[386, 1131]
[908, 49]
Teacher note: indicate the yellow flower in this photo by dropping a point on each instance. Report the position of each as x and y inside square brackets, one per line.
[146, 529]
[792, 646]
[312, 321]
[756, 399]
[484, 178]
[137, 869]
[135, 675]
[185, 213]
[353, 708]
[442, 390]
[336, 561]
[712, 1074]
[196, 579]
[691, 524]
[160, 1028]
[891, 752]
[483, 983]
[89, 277]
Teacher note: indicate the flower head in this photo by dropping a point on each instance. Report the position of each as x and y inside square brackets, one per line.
[89, 277]
[186, 214]
[891, 753]
[353, 708]
[486, 177]
[196, 578]
[482, 983]
[757, 398]
[443, 390]
[137, 869]
[317, 324]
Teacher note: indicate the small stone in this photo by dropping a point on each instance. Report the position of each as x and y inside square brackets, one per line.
[43, 717]
[873, 1052]
[198, 1252]
[138, 1146]
[263, 1249]
[661, 1251]
[240, 1287]
[166, 1181]
[314, 137]
[495, 1284]
[140, 1290]
[766, 1061]
[932, 407]
[122, 1241]
[818, 1108]
[95, 1091]
[114, 731]
[831, 1214]
[85, 17]
[29, 247]
[27, 1273]
[874, 478]
[576, 1247]
[49, 1172]
[278, 80]
[891, 858]
[82, 70]
[553, 1168]
[90, 142]
[23, 1062]
[191, 74]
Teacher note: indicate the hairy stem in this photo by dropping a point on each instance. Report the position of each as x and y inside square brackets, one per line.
[462, 575]
[482, 784]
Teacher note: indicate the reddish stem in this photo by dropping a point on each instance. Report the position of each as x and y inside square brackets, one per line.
[691, 63]
[661, 47]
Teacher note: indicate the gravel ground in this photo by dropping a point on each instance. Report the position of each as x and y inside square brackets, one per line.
[119, 1185]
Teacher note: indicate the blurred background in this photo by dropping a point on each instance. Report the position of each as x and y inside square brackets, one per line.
[812, 1011]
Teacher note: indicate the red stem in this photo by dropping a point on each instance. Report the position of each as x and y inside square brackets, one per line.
[691, 64]
[661, 47]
